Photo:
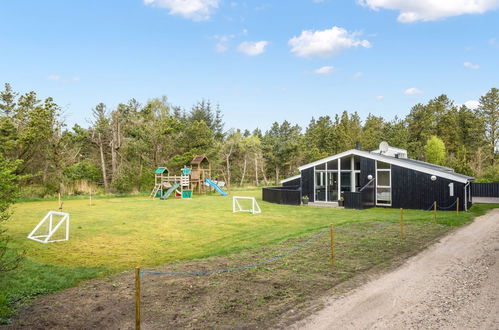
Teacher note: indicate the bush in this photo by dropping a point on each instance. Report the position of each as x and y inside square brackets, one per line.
[491, 174]
[84, 170]
[128, 180]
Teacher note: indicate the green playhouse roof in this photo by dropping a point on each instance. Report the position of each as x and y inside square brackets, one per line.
[161, 170]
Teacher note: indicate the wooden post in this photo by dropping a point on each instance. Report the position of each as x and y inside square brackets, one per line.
[435, 211]
[457, 206]
[402, 223]
[331, 232]
[60, 201]
[137, 298]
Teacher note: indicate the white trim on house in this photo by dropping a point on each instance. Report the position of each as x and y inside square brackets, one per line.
[291, 178]
[376, 186]
[326, 160]
[389, 160]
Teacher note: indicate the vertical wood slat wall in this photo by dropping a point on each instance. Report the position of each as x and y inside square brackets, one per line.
[485, 189]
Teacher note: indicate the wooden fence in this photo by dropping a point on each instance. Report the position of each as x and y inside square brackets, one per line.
[282, 195]
[485, 189]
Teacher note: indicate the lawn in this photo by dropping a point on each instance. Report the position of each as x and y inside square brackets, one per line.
[116, 234]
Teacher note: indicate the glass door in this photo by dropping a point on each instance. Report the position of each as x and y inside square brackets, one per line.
[383, 184]
[320, 186]
[332, 186]
[346, 178]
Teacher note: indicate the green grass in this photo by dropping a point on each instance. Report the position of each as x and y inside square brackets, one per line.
[116, 234]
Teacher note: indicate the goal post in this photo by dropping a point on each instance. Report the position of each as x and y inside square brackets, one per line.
[51, 223]
[237, 207]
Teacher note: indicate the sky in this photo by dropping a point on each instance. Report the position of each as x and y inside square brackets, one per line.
[261, 61]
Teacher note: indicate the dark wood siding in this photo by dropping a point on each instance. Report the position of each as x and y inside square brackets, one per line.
[292, 183]
[353, 200]
[307, 183]
[485, 189]
[414, 190]
[367, 167]
[282, 195]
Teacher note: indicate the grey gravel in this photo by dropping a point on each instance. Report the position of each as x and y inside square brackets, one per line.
[454, 284]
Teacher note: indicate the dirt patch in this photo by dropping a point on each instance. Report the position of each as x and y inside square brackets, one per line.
[251, 298]
[452, 285]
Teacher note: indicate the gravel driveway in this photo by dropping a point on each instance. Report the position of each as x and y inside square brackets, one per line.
[454, 284]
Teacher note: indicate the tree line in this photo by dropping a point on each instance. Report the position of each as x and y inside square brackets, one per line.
[120, 149]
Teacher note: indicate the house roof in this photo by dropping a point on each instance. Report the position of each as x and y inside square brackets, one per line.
[432, 169]
[291, 178]
[198, 159]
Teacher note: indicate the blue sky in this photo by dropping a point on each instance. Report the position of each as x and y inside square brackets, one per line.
[262, 61]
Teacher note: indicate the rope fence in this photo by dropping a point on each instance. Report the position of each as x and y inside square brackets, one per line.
[139, 273]
[434, 207]
[444, 208]
[447, 207]
[254, 265]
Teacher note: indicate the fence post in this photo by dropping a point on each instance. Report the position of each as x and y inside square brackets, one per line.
[457, 206]
[402, 223]
[435, 211]
[90, 197]
[331, 232]
[60, 206]
[137, 298]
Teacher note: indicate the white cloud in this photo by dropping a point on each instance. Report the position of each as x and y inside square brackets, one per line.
[472, 66]
[54, 77]
[324, 70]
[412, 91]
[358, 75]
[326, 42]
[380, 97]
[197, 10]
[472, 104]
[222, 44]
[431, 10]
[252, 48]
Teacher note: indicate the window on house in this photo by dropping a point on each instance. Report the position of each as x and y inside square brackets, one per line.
[356, 162]
[383, 184]
[332, 165]
[321, 166]
[346, 164]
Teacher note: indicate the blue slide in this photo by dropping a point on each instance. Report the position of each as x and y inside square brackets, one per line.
[217, 188]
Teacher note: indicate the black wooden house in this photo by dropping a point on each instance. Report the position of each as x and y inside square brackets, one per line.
[382, 178]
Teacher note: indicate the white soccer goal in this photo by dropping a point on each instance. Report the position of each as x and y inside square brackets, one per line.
[45, 231]
[236, 205]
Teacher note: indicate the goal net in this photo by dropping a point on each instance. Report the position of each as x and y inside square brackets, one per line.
[245, 204]
[54, 227]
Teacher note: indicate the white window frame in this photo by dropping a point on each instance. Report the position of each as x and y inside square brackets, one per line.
[384, 187]
[324, 179]
[338, 171]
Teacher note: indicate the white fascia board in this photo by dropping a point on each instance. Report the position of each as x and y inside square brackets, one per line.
[291, 178]
[440, 174]
[390, 160]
